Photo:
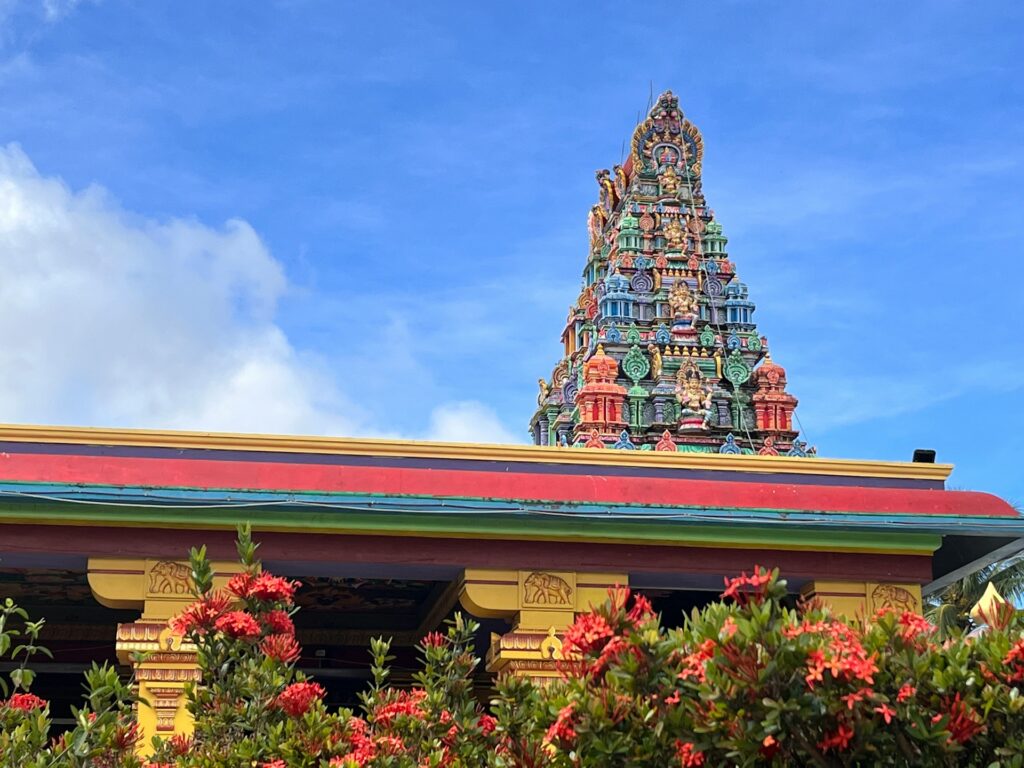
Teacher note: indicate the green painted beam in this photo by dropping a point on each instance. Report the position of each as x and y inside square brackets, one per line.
[482, 525]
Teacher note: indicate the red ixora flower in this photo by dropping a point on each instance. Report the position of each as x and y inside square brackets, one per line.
[689, 756]
[562, 729]
[912, 625]
[26, 702]
[240, 584]
[278, 622]
[641, 610]
[405, 704]
[201, 615]
[964, 724]
[838, 740]
[1014, 661]
[273, 588]
[887, 712]
[695, 664]
[264, 586]
[296, 699]
[588, 633]
[283, 648]
[745, 587]
[844, 656]
[434, 640]
[238, 624]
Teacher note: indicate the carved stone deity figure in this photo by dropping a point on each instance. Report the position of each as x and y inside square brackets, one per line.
[675, 235]
[621, 182]
[655, 354]
[669, 181]
[545, 390]
[684, 306]
[595, 225]
[694, 396]
[604, 181]
[695, 226]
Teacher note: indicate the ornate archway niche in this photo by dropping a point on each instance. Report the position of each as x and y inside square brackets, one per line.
[540, 604]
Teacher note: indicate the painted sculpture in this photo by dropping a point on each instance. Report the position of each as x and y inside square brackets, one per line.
[661, 348]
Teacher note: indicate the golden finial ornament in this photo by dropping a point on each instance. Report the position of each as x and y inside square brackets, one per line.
[987, 605]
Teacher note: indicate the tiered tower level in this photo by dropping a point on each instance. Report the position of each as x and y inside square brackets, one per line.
[661, 348]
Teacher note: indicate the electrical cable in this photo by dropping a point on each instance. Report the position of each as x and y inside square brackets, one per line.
[783, 517]
[800, 424]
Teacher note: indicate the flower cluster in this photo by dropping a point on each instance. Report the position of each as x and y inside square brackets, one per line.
[402, 704]
[747, 587]
[297, 698]
[752, 681]
[843, 657]
[749, 680]
[201, 616]
[238, 624]
[1014, 663]
[26, 702]
[689, 756]
[263, 586]
[600, 638]
[562, 729]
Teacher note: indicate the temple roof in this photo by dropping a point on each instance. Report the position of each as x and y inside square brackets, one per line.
[126, 484]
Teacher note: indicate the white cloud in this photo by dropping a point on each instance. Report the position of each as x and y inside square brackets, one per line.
[839, 400]
[468, 421]
[107, 318]
[58, 9]
[50, 10]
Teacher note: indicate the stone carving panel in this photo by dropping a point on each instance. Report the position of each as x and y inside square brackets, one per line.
[169, 579]
[540, 589]
[898, 598]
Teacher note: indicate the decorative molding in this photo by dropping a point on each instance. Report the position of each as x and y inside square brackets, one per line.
[224, 441]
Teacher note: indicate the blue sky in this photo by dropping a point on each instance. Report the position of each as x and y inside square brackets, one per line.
[359, 218]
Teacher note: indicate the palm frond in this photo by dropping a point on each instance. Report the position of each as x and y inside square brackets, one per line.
[1008, 578]
[952, 606]
[947, 618]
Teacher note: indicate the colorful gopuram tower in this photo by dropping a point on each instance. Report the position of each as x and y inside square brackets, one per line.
[661, 348]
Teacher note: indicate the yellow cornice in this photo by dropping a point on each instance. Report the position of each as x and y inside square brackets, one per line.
[350, 446]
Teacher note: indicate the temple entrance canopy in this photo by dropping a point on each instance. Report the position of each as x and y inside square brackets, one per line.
[431, 513]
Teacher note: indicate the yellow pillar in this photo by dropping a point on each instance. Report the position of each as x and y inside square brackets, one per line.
[161, 589]
[863, 599]
[540, 605]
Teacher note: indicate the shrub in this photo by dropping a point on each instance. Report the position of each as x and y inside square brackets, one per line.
[747, 681]
[104, 734]
[751, 682]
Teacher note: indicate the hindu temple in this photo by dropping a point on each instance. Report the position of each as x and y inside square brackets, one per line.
[661, 348]
[665, 457]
